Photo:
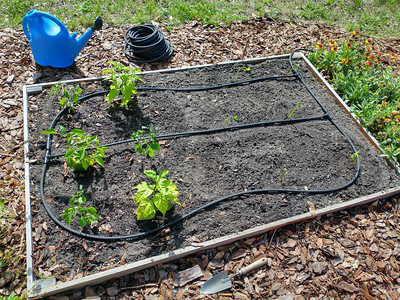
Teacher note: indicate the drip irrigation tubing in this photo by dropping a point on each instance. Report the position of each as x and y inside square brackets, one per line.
[139, 235]
[146, 44]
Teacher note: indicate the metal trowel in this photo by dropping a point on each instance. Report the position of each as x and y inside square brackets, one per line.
[222, 281]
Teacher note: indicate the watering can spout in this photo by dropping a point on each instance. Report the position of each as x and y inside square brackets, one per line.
[52, 45]
[98, 24]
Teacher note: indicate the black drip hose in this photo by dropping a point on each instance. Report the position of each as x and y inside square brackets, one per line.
[138, 235]
[146, 44]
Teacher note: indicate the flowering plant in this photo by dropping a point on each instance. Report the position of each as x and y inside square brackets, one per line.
[362, 75]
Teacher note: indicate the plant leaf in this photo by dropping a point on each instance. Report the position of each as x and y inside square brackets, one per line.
[145, 210]
[49, 131]
[161, 203]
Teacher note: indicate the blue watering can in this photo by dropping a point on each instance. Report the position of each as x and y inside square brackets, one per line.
[51, 43]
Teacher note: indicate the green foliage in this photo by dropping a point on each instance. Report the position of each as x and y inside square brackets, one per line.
[87, 215]
[124, 82]
[69, 95]
[377, 17]
[239, 70]
[354, 156]
[78, 145]
[298, 106]
[12, 296]
[159, 196]
[361, 74]
[229, 120]
[146, 144]
[4, 214]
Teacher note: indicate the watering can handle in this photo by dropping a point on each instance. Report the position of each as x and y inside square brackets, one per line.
[26, 30]
[57, 21]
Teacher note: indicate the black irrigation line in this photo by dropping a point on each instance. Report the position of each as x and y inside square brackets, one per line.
[139, 235]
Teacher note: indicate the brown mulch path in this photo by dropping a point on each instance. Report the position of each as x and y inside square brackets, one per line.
[353, 254]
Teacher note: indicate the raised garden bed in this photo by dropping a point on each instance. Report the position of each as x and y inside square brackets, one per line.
[315, 155]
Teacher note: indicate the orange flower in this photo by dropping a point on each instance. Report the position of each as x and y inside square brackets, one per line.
[334, 49]
[368, 41]
[368, 63]
[348, 45]
[376, 48]
[355, 33]
[371, 57]
[345, 61]
[332, 43]
[319, 46]
[382, 84]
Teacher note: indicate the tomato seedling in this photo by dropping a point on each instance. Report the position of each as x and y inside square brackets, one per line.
[78, 146]
[124, 83]
[70, 95]
[146, 145]
[160, 196]
[88, 215]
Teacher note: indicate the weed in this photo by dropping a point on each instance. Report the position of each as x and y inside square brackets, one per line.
[298, 106]
[146, 145]
[124, 82]
[78, 145]
[69, 93]
[88, 215]
[164, 194]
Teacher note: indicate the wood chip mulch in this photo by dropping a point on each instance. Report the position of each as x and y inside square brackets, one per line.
[353, 254]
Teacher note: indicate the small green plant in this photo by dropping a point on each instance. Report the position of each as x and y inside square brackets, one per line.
[87, 215]
[354, 156]
[231, 120]
[78, 146]
[159, 196]
[241, 69]
[298, 106]
[283, 176]
[70, 95]
[146, 145]
[124, 82]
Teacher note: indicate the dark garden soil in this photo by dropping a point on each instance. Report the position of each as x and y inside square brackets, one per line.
[204, 167]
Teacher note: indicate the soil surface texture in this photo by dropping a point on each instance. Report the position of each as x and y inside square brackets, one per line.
[311, 155]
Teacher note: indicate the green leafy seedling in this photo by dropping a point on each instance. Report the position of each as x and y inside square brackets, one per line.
[124, 83]
[298, 106]
[78, 148]
[69, 93]
[231, 120]
[354, 157]
[146, 145]
[241, 69]
[87, 215]
[160, 196]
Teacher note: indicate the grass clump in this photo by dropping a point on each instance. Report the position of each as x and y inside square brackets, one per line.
[362, 75]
